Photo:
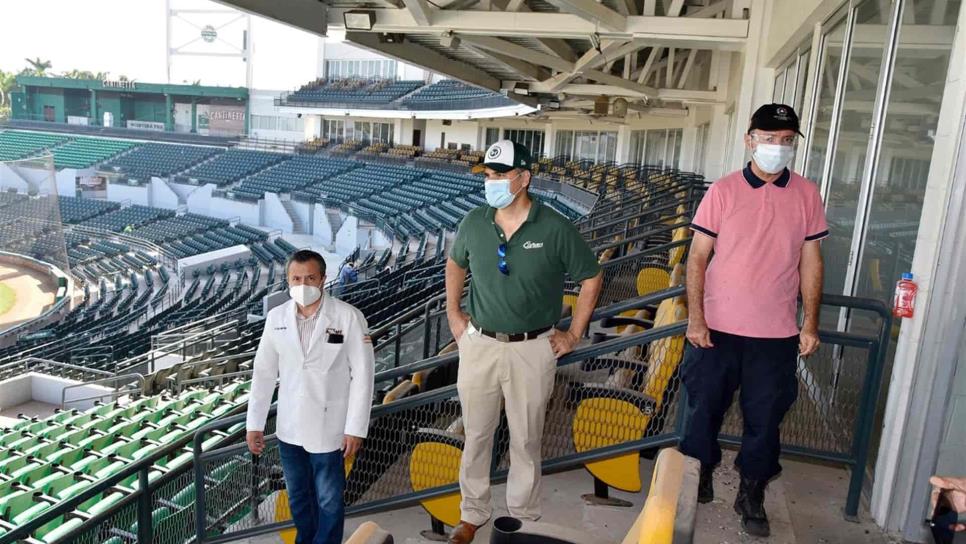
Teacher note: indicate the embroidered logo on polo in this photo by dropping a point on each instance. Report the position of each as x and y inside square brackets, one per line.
[532, 245]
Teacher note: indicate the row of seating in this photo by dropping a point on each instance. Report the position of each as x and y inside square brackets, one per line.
[379, 92]
[86, 152]
[48, 461]
[157, 159]
[293, 175]
[233, 165]
[16, 144]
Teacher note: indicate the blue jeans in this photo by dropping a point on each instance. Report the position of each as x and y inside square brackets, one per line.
[316, 485]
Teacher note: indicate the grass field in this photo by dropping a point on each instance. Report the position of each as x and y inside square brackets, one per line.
[7, 298]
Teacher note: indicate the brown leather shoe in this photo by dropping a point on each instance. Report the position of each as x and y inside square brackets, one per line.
[463, 533]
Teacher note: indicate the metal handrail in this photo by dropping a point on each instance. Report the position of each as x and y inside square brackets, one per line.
[111, 379]
[855, 457]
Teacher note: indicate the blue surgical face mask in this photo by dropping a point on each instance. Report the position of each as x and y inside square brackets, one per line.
[498, 193]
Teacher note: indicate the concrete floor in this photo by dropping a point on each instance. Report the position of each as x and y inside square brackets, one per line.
[8, 416]
[804, 506]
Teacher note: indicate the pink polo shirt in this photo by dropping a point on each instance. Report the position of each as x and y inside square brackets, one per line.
[752, 284]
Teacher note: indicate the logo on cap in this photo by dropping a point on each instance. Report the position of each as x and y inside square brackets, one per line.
[494, 152]
[782, 113]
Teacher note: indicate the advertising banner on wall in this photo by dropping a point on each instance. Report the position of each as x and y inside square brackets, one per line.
[221, 120]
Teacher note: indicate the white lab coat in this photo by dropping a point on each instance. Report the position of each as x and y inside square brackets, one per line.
[323, 395]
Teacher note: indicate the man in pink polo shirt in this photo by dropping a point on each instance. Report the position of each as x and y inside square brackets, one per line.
[763, 225]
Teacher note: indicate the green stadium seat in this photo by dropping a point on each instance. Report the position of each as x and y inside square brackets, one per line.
[100, 503]
[57, 529]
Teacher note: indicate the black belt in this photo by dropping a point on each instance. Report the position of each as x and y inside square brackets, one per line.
[516, 337]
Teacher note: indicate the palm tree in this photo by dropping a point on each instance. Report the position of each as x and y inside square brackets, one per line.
[38, 67]
[7, 82]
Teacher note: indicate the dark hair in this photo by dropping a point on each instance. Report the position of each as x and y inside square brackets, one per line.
[304, 256]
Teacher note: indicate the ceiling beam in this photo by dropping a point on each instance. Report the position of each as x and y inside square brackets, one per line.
[590, 60]
[594, 11]
[423, 56]
[309, 16]
[513, 64]
[557, 46]
[682, 32]
[524, 53]
[649, 63]
[421, 12]
[687, 68]
[674, 10]
[715, 8]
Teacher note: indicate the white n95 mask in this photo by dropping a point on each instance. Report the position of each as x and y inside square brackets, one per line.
[304, 295]
[773, 158]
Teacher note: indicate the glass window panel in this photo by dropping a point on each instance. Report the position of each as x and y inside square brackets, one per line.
[585, 145]
[565, 144]
[655, 147]
[911, 118]
[636, 152]
[776, 93]
[828, 76]
[788, 95]
[851, 143]
[492, 135]
[607, 150]
[675, 148]
[800, 83]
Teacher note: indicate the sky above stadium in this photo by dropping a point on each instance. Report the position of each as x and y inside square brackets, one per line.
[128, 37]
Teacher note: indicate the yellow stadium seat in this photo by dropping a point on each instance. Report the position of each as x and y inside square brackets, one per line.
[651, 279]
[610, 414]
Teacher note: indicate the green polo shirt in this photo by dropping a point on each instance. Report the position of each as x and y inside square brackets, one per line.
[546, 248]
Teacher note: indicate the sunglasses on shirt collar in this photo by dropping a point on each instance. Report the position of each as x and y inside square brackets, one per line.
[501, 264]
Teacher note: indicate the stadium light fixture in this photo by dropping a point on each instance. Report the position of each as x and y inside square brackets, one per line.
[449, 40]
[359, 19]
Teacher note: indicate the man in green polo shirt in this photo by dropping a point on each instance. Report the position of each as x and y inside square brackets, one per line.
[519, 252]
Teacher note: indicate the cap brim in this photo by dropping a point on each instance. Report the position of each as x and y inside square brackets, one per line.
[498, 167]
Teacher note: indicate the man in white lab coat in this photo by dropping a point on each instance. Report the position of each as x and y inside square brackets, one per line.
[320, 349]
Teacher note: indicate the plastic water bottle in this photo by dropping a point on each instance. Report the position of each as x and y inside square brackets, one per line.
[905, 300]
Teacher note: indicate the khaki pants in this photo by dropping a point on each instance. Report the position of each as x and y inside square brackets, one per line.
[521, 374]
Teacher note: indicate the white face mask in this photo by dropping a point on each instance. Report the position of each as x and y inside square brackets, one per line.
[305, 295]
[773, 158]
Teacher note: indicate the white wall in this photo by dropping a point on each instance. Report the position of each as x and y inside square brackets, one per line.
[321, 229]
[67, 180]
[461, 132]
[201, 261]
[379, 240]
[347, 238]
[225, 208]
[119, 192]
[47, 389]
[304, 211]
[161, 196]
[276, 216]
[199, 198]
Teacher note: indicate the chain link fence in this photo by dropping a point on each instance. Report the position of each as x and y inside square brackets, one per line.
[610, 399]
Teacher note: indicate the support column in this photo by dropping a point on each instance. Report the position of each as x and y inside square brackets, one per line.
[194, 116]
[168, 116]
[93, 108]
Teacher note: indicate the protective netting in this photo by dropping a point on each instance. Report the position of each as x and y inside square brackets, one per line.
[30, 211]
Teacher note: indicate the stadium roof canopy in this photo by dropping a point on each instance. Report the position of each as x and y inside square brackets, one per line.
[654, 53]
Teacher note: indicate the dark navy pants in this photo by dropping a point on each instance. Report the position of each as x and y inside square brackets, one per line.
[315, 484]
[764, 370]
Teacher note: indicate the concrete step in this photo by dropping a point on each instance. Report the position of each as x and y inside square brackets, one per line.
[298, 227]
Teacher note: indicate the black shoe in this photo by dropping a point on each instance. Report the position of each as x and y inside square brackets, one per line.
[750, 503]
[706, 484]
